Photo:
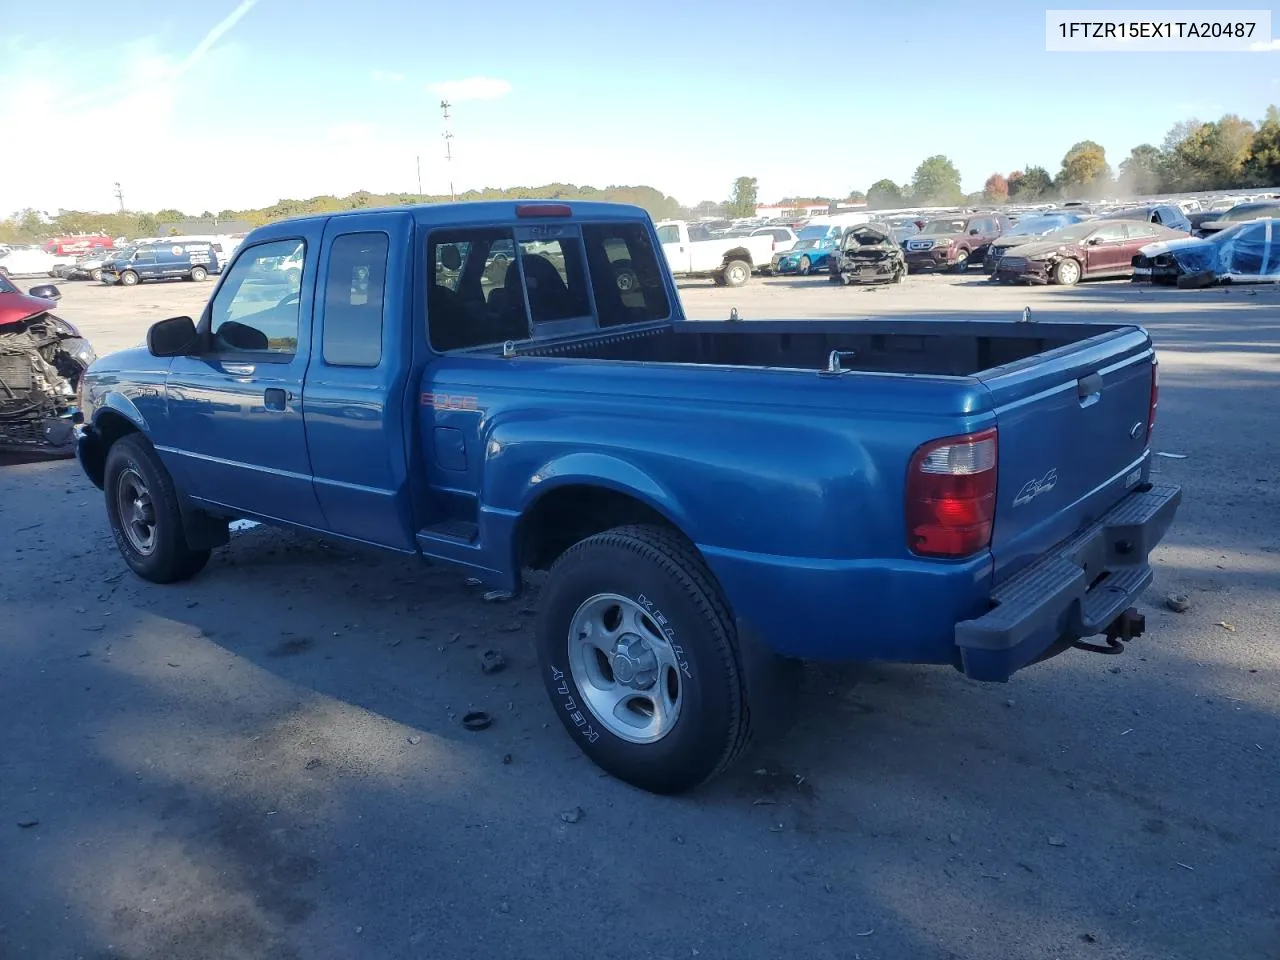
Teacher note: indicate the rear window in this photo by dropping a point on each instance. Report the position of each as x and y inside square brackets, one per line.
[489, 287]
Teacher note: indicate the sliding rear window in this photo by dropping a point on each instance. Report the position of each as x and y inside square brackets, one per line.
[626, 274]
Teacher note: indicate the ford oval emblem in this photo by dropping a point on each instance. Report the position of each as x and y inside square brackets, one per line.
[1135, 430]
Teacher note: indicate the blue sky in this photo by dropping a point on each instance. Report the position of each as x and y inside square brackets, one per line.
[226, 104]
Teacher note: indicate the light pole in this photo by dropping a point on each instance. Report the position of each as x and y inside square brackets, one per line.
[119, 195]
[448, 148]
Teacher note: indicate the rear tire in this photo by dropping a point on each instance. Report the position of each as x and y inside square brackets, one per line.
[144, 513]
[806, 265]
[736, 273]
[643, 594]
[199, 274]
[129, 278]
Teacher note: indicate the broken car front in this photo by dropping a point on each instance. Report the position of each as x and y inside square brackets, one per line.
[869, 254]
[42, 358]
[1242, 253]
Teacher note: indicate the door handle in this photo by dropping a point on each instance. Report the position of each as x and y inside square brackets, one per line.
[239, 369]
[275, 398]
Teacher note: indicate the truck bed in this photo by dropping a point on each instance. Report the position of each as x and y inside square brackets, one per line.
[956, 349]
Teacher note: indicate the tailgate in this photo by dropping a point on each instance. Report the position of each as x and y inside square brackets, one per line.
[1072, 440]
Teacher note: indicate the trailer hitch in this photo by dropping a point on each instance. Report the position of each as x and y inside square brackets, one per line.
[1128, 626]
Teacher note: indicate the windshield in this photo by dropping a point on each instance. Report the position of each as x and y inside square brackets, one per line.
[812, 233]
[6, 286]
[123, 253]
[1073, 233]
[940, 227]
[1034, 226]
[1251, 211]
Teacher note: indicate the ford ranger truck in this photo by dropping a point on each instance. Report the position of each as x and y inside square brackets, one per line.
[711, 501]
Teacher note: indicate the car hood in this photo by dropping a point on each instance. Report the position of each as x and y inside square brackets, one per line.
[16, 307]
[1171, 246]
[1035, 249]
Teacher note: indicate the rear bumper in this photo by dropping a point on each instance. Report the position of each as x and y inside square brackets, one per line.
[1075, 591]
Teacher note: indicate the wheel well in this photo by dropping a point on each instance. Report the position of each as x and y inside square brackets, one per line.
[559, 519]
[108, 428]
[738, 253]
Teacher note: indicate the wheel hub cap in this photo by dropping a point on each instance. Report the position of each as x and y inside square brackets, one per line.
[634, 664]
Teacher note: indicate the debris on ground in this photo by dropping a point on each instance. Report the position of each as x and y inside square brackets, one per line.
[1229, 627]
[1178, 602]
[511, 626]
[1088, 938]
[497, 596]
[1056, 841]
[27, 824]
[415, 739]
[476, 720]
[491, 661]
[1171, 456]
[506, 758]
[572, 815]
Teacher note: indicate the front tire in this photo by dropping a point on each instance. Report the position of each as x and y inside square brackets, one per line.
[145, 518]
[638, 651]
[96, 275]
[962, 262]
[129, 278]
[1066, 272]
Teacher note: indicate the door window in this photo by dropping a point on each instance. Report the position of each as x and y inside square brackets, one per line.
[1110, 233]
[669, 234]
[256, 308]
[353, 300]
[1246, 250]
[144, 256]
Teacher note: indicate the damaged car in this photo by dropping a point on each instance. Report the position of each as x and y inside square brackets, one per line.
[1085, 251]
[1246, 252]
[42, 359]
[1035, 225]
[869, 253]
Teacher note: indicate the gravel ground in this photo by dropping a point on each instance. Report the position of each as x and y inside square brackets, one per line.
[268, 761]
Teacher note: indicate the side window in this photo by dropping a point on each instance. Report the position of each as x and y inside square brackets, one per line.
[145, 256]
[669, 234]
[1110, 232]
[554, 279]
[626, 274]
[779, 236]
[256, 308]
[353, 300]
[466, 305]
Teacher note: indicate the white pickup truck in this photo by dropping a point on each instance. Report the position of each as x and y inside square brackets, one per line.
[729, 261]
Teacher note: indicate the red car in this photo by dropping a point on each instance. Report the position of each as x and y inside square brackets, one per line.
[42, 358]
[1082, 251]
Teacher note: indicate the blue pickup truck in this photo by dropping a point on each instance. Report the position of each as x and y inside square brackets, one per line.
[512, 387]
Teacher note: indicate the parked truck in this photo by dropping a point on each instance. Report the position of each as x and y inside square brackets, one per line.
[711, 501]
[728, 261]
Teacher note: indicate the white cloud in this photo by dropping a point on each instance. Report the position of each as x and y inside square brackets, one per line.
[1262, 46]
[472, 88]
[385, 76]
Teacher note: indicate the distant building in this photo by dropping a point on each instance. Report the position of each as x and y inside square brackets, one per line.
[773, 210]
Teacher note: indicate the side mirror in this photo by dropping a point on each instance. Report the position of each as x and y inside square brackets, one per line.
[1094, 241]
[46, 291]
[973, 232]
[175, 337]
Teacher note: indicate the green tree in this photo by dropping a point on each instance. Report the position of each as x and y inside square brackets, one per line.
[1142, 172]
[1213, 155]
[856, 196]
[884, 195]
[936, 182]
[996, 189]
[170, 216]
[1032, 183]
[1263, 166]
[1084, 170]
[742, 203]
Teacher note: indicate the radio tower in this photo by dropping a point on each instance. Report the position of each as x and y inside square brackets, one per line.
[448, 148]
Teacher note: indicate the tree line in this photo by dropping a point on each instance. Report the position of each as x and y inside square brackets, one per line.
[1195, 155]
[29, 226]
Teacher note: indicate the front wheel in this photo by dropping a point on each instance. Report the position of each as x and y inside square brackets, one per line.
[962, 262]
[1066, 272]
[96, 275]
[129, 278]
[145, 518]
[638, 652]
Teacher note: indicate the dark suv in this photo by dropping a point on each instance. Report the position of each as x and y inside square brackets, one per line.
[1165, 214]
[952, 243]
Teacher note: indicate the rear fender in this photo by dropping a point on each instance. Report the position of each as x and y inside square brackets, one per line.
[609, 472]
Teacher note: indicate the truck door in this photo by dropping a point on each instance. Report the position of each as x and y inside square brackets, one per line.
[354, 395]
[676, 248]
[235, 435]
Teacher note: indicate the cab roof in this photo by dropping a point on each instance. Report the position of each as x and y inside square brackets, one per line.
[471, 212]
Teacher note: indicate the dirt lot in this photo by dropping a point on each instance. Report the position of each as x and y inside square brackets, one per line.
[268, 761]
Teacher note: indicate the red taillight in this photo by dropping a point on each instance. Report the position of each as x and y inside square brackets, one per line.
[543, 210]
[1155, 396]
[951, 495]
